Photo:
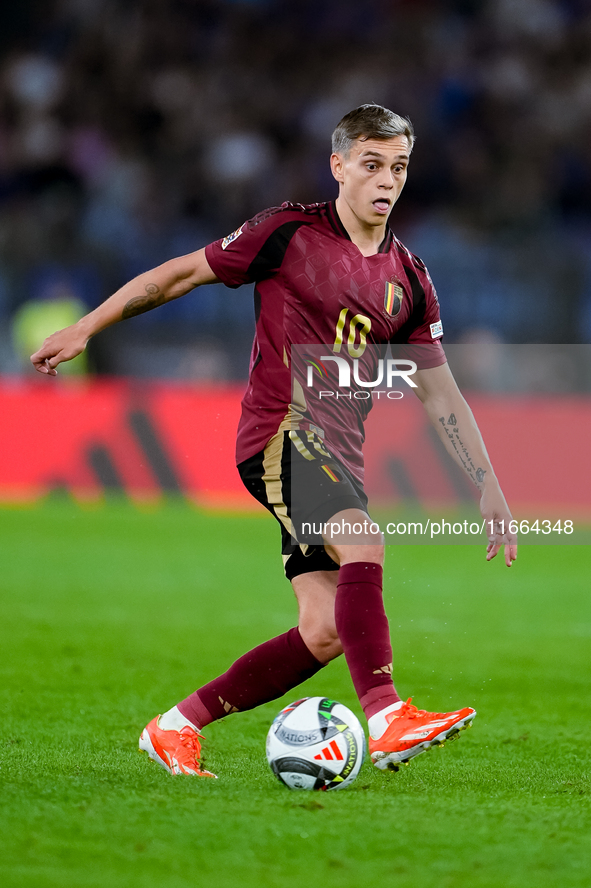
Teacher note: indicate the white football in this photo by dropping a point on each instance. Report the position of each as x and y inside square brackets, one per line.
[316, 743]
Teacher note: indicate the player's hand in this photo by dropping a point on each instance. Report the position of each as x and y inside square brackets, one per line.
[61, 346]
[497, 517]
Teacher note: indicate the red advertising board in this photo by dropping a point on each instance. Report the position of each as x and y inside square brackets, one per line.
[147, 439]
[143, 440]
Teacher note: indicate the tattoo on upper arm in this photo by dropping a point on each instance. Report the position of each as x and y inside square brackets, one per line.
[451, 429]
[140, 304]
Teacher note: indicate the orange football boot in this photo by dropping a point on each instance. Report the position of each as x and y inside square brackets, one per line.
[411, 731]
[176, 751]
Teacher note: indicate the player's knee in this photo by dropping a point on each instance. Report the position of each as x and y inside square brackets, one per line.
[347, 554]
[329, 647]
[373, 553]
[322, 641]
[351, 530]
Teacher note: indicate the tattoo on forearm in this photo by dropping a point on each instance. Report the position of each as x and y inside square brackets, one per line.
[451, 429]
[140, 304]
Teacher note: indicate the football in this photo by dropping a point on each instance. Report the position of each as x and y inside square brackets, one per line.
[316, 743]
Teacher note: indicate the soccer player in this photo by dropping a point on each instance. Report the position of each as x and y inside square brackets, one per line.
[329, 273]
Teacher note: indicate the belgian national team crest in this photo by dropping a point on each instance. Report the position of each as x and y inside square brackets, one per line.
[393, 298]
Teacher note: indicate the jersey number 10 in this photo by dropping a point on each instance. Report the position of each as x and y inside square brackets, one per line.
[358, 324]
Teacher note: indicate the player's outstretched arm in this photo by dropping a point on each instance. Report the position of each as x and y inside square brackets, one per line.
[456, 426]
[149, 290]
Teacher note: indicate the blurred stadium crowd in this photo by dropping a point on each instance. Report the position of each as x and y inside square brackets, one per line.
[135, 130]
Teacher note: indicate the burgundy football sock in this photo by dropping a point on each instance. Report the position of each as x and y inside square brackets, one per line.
[265, 673]
[362, 626]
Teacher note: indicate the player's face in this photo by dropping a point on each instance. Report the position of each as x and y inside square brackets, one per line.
[372, 177]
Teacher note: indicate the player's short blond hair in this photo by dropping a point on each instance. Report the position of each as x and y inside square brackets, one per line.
[370, 122]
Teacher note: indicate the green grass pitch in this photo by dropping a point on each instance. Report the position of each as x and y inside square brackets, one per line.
[108, 616]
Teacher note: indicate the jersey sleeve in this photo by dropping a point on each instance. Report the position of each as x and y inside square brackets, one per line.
[255, 250]
[421, 340]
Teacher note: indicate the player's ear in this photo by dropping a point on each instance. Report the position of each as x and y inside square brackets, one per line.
[336, 165]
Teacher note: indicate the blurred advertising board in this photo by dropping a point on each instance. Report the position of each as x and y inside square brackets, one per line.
[89, 438]
[145, 440]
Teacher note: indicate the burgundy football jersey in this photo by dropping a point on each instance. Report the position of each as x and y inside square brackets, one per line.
[313, 287]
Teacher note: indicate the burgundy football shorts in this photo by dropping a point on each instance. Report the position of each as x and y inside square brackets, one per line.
[303, 485]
